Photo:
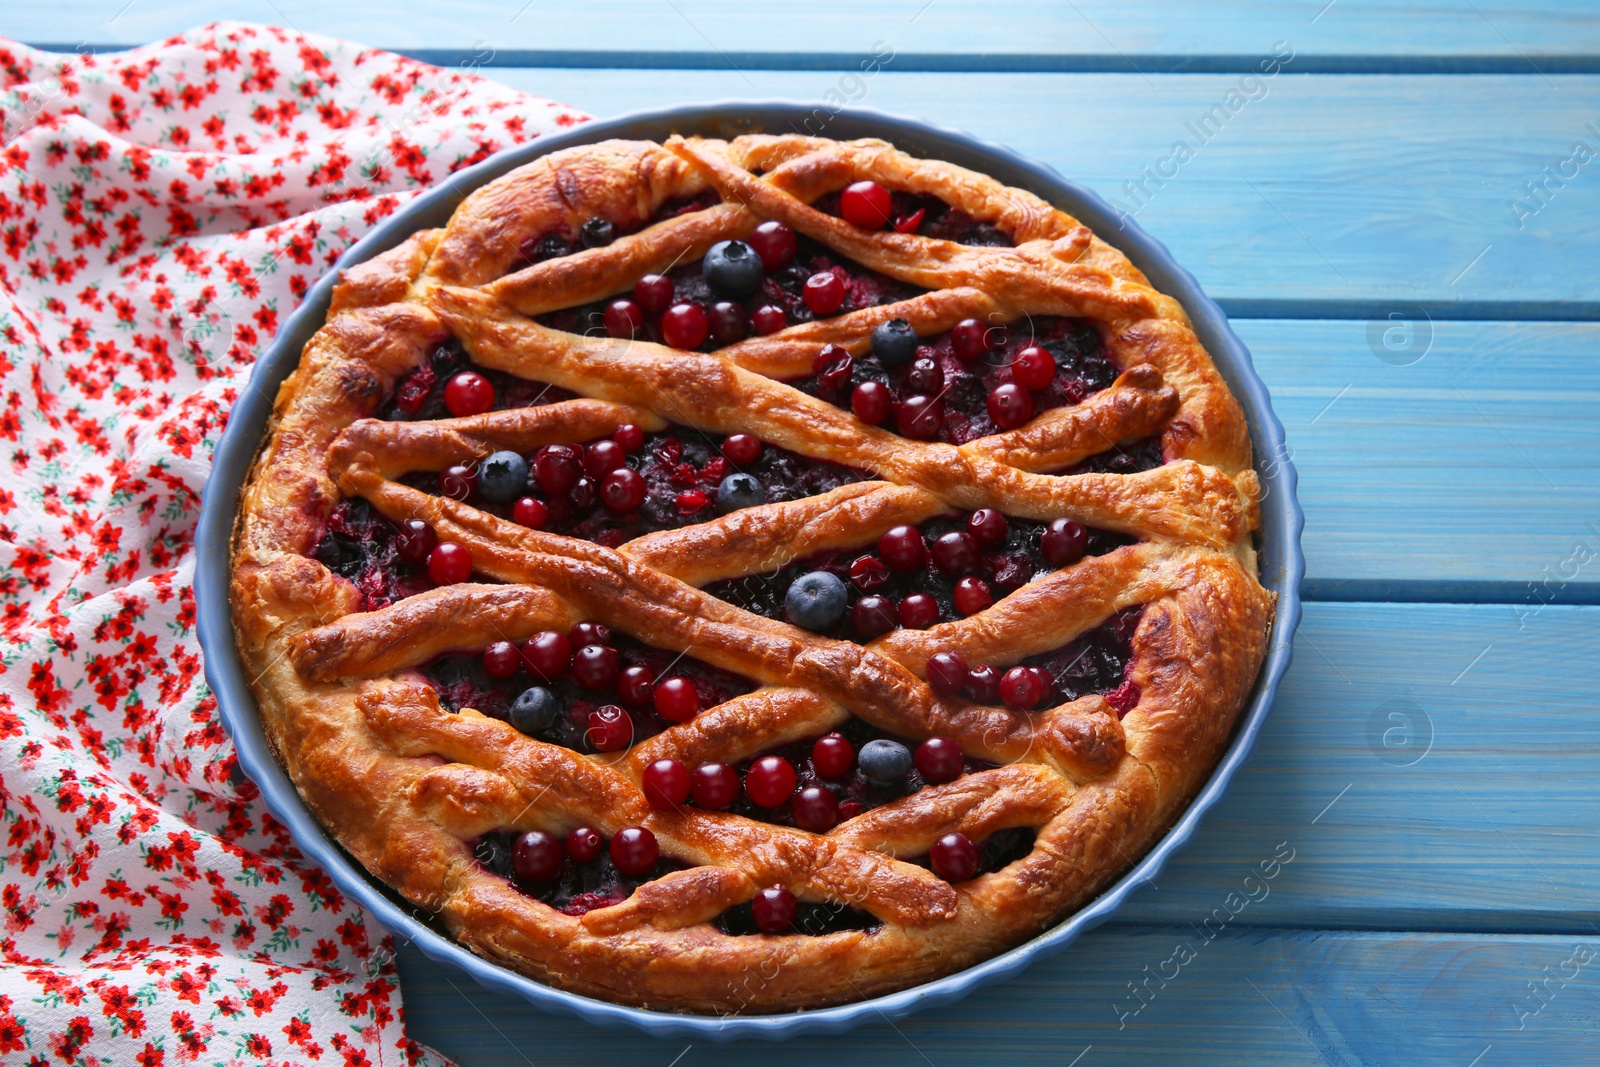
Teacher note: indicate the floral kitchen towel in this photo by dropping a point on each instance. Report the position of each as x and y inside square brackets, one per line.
[161, 212]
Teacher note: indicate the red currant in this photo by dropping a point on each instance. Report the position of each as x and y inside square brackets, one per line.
[774, 909]
[1063, 543]
[918, 611]
[865, 204]
[920, 417]
[449, 563]
[815, 809]
[727, 322]
[970, 339]
[769, 781]
[537, 857]
[676, 699]
[1020, 689]
[468, 393]
[768, 319]
[823, 293]
[589, 632]
[775, 243]
[415, 541]
[1010, 405]
[629, 436]
[832, 755]
[596, 667]
[983, 684]
[610, 729]
[954, 857]
[603, 457]
[501, 660]
[868, 573]
[584, 844]
[557, 468]
[1033, 368]
[939, 760]
[874, 616]
[871, 402]
[972, 596]
[715, 786]
[623, 318]
[458, 482]
[955, 552]
[902, 548]
[654, 293]
[684, 326]
[666, 783]
[635, 686]
[741, 449]
[530, 513]
[547, 655]
[634, 850]
[988, 526]
[622, 491]
[947, 673]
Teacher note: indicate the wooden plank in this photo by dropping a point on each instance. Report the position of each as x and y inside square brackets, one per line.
[1468, 475]
[1246, 996]
[1030, 34]
[1299, 207]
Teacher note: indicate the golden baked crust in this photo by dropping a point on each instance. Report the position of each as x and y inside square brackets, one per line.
[404, 785]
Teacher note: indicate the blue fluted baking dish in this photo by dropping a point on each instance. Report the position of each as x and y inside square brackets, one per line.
[1281, 560]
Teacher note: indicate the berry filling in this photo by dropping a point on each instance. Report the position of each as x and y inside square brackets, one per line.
[587, 878]
[597, 232]
[422, 394]
[974, 380]
[920, 213]
[917, 577]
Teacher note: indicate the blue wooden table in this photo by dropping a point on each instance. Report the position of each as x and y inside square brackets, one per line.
[1401, 226]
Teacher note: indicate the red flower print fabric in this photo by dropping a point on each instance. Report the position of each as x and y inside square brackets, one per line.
[161, 212]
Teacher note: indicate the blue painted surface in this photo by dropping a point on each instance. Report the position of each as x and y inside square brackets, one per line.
[1453, 540]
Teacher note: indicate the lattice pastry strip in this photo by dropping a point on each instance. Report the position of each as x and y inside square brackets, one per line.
[406, 785]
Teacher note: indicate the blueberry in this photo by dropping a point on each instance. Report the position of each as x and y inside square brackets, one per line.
[816, 601]
[739, 491]
[503, 477]
[597, 232]
[534, 710]
[884, 762]
[732, 268]
[894, 342]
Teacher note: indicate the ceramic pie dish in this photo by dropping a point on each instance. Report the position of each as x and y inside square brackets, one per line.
[697, 557]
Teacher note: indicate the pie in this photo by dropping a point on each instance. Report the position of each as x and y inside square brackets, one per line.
[752, 575]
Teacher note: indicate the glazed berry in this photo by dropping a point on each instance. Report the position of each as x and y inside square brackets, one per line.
[1021, 689]
[1010, 405]
[884, 762]
[873, 616]
[634, 850]
[910, 223]
[537, 857]
[654, 293]
[775, 243]
[926, 377]
[530, 513]
[815, 809]
[458, 482]
[920, 417]
[534, 709]
[768, 319]
[918, 611]
[866, 204]
[623, 319]
[589, 632]
[1063, 543]
[584, 844]
[832, 755]
[468, 393]
[1047, 683]
[503, 477]
[732, 269]
[583, 492]
[603, 457]
[715, 786]
[597, 233]
[635, 686]
[676, 699]
[501, 660]
[691, 502]
[1033, 368]
[868, 573]
[955, 553]
[684, 326]
[557, 468]
[947, 673]
[954, 857]
[902, 549]
[988, 526]
[871, 402]
[972, 596]
[816, 601]
[666, 783]
[970, 339]
[415, 541]
[739, 491]
[449, 563]
[939, 760]
[596, 667]
[547, 655]
[622, 491]
[832, 366]
[728, 323]
[610, 729]
[983, 684]
[741, 449]
[629, 436]
[774, 909]
[823, 293]
[894, 342]
[769, 781]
